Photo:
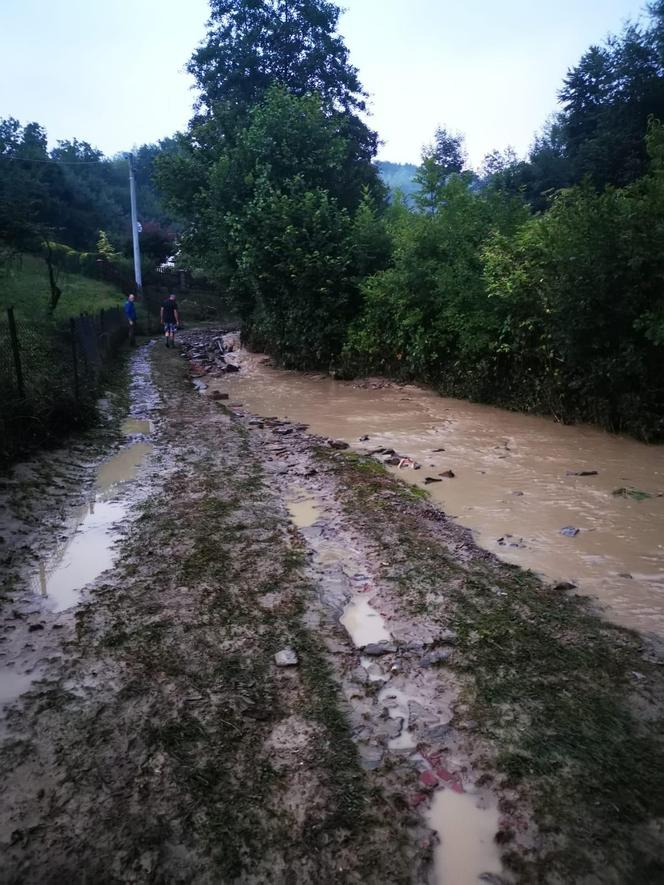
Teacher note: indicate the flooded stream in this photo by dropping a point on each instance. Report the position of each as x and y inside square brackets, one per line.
[516, 479]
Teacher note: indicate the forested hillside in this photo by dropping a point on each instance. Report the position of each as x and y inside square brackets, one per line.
[398, 177]
[71, 194]
[536, 285]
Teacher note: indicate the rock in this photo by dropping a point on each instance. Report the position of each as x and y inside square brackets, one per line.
[582, 473]
[569, 531]
[359, 674]
[518, 494]
[283, 431]
[379, 451]
[392, 460]
[217, 395]
[429, 479]
[375, 649]
[34, 627]
[511, 541]
[447, 637]
[364, 439]
[437, 733]
[492, 879]
[448, 474]
[337, 444]
[564, 586]
[625, 575]
[438, 450]
[370, 756]
[286, 658]
[437, 656]
[229, 367]
[390, 728]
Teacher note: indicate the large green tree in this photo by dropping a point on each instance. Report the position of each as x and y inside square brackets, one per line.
[275, 173]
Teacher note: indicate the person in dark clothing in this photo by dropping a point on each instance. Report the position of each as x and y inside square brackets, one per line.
[130, 313]
[170, 319]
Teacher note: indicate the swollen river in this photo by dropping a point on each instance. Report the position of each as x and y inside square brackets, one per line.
[514, 480]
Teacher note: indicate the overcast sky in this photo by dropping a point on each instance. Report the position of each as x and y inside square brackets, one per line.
[112, 72]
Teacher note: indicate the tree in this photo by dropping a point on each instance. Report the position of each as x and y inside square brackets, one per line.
[445, 156]
[252, 45]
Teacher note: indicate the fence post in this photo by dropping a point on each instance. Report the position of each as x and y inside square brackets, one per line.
[13, 337]
[72, 326]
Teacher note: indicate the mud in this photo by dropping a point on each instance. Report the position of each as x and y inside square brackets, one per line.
[158, 741]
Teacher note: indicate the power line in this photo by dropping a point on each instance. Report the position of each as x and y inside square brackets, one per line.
[56, 162]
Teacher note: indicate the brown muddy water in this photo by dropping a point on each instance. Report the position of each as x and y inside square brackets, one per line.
[512, 481]
[86, 548]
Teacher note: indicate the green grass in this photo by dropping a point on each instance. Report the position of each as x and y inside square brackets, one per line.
[25, 286]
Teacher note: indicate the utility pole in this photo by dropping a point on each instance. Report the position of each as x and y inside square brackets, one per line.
[134, 230]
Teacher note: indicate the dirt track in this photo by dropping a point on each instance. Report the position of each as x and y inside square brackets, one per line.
[163, 744]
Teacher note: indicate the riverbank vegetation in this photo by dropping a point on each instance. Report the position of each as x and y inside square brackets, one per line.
[534, 284]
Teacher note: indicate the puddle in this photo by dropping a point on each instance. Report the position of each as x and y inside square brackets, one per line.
[331, 555]
[87, 546]
[88, 549]
[304, 513]
[364, 624]
[136, 427]
[13, 684]
[121, 468]
[467, 848]
[83, 557]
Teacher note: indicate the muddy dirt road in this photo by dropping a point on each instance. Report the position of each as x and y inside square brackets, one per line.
[288, 667]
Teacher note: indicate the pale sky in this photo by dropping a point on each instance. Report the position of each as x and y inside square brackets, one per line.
[111, 72]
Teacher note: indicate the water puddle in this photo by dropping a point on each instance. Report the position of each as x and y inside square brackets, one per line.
[86, 549]
[305, 512]
[364, 624]
[466, 832]
[515, 477]
[119, 469]
[136, 427]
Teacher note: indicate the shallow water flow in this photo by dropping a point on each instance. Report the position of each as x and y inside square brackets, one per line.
[515, 480]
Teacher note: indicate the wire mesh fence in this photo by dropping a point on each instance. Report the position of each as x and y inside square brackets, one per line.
[50, 373]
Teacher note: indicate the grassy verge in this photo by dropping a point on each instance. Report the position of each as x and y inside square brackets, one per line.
[25, 286]
[571, 704]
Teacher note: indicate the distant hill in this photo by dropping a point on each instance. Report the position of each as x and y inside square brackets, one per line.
[398, 176]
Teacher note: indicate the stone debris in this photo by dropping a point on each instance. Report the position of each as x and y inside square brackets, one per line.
[437, 656]
[207, 354]
[375, 649]
[287, 657]
[569, 531]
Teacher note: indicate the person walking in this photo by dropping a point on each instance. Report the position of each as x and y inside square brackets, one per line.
[170, 319]
[130, 313]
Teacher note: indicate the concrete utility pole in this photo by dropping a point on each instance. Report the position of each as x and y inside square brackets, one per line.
[134, 230]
